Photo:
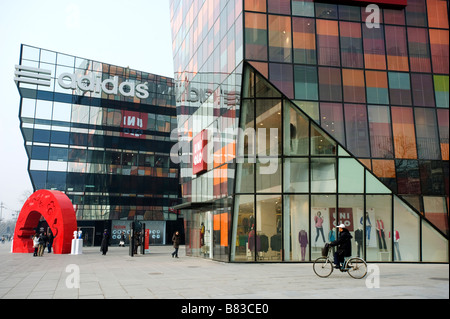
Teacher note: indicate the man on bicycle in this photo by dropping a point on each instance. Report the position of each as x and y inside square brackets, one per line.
[344, 244]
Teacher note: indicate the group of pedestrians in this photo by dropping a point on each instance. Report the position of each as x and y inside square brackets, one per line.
[40, 241]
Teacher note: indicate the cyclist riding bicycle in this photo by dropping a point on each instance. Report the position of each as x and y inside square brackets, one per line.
[344, 245]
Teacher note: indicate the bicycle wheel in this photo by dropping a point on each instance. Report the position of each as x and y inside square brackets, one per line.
[323, 267]
[356, 268]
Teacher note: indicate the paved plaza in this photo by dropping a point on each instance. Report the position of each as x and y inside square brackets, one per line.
[159, 276]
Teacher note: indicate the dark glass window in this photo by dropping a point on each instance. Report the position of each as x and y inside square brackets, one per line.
[422, 89]
[39, 153]
[408, 177]
[39, 179]
[56, 180]
[58, 154]
[60, 137]
[432, 178]
[330, 84]
[41, 136]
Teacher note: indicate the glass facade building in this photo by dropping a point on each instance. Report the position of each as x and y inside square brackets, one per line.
[101, 134]
[313, 114]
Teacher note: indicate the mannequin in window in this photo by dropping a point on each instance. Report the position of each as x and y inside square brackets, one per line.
[380, 234]
[318, 220]
[293, 139]
[303, 240]
[368, 226]
[396, 246]
[359, 238]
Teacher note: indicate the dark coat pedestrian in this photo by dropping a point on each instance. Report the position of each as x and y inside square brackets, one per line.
[105, 242]
[50, 242]
[176, 243]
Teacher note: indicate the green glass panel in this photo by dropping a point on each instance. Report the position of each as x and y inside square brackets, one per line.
[351, 176]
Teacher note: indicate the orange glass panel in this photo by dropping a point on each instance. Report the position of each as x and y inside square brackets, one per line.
[404, 133]
[327, 27]
[375, 61]
[375, 79]
[255, 5]
[384, 168]
[437, 14]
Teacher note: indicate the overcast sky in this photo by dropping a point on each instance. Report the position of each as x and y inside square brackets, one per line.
[133, 33]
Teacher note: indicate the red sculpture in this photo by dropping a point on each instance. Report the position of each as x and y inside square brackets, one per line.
[57, 209]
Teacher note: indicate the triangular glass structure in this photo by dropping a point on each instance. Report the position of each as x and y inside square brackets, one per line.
[292, 210]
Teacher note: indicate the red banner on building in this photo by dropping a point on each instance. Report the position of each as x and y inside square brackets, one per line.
[199, 144]
[345, 217]
[133, 124]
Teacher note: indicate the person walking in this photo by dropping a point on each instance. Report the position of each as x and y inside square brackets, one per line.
[35, 244]
[49, 242]
[105, 242]
[176, 243]
[41, 241]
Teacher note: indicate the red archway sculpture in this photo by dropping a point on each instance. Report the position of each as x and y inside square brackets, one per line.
[57, 209]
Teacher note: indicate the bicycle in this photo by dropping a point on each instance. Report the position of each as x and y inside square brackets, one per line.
[323, 266]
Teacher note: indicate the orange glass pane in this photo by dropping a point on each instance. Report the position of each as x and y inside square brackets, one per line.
[437, 14]
[384, 168]
[376, 79]
[404, 133]
[375, 61]
[327, 27]
[255, 5]
[255, 21]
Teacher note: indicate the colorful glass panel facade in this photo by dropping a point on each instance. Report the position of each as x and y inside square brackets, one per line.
[373, 93]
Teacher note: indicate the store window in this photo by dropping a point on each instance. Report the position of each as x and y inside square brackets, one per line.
[296, 239]
[269, 226]
[379, 248]
[434, 246]
[244, 223]
[323, 230]
[405, 233]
